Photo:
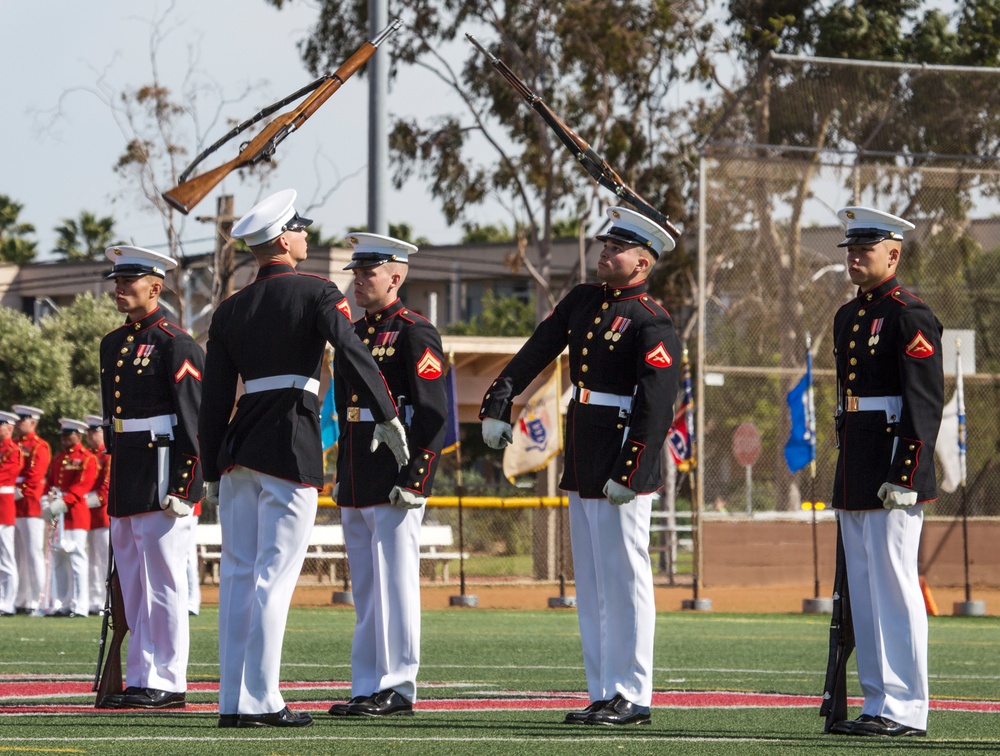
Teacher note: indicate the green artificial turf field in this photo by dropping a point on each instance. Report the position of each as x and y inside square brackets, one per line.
[500, 682]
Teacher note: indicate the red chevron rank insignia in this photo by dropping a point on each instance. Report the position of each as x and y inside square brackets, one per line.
[659, 357]
[344, 307]
[187, 369]
[429, 365]
[920, 347]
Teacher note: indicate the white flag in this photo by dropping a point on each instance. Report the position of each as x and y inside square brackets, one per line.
[946, 447]
[536, 433]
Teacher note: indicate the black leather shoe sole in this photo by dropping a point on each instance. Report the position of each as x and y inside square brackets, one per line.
[344, 709]
[284, 718]
[168, 701]
[580, 717]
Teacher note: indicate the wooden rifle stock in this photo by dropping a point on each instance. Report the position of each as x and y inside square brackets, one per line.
[593, 163]
[108, 681]
[187, 194]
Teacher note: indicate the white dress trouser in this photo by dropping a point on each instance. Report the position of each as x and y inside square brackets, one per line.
[151, 557]
[266, 524]
[614, 595]
[71, 571]
[8, 569]
[29, 552]
[383, 549]
[890, 618]
[97, 551]
[194, 577]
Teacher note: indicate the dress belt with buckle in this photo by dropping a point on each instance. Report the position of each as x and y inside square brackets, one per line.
[602, 399]
[892, 406]
[272, 382]
[158, 424]
[364, 415]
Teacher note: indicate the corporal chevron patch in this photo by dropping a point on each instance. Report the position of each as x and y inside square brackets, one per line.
[659, 357]
[429, 365]
[919, 347]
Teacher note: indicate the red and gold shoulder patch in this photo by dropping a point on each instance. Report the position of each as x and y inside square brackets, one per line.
[919, 347]
[187, 369]
[344, 307]
[659, 357]
[429, 365]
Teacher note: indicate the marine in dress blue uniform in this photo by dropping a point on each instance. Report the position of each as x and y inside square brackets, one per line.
[382, 503]
[890, 383]
[150, 391]
[264, 463]
[624, 363]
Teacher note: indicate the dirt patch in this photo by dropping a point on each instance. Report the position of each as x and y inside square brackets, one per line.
[783, 599]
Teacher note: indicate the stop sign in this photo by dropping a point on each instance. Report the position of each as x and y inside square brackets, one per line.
[746, 444]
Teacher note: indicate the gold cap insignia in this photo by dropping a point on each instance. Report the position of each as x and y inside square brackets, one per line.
[616, 214]
[354, 240]
[850, 214]
[118, 252]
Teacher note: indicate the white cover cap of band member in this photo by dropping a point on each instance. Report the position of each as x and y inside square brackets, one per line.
[270, 218]
[8, 418]
[374, 249]
[630, 226]
[136, 261]
[24, 411]
[93, 421]
[69, 425]
[866, 225]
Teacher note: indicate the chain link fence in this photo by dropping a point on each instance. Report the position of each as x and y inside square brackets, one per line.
[807, 137]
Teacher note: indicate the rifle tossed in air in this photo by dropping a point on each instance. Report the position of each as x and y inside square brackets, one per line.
[190, 191]
[593, 163]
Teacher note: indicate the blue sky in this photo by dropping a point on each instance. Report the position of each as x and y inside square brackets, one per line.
[60, 142]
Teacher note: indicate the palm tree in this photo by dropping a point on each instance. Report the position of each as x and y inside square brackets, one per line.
[14, 246]
[84, 238]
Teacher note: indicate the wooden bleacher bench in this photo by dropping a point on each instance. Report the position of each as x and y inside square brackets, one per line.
[326, 544]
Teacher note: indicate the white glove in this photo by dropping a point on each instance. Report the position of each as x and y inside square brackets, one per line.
[400, 498]
[617, 493]
[496, 433]
[210, 494]
[174, 507]
[896, 497]
[17, 493]
[336, 491]
[93, 500]
[392, 434]
[54, 505]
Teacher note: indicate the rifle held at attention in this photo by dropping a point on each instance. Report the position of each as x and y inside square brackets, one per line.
[108, 678]
[834, 706]
[190, 191]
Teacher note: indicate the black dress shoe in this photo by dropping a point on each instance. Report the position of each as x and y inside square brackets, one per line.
[113, 700]
[7, 614]
[343, 709]
[22, 610]
[284, 718]
[618, 711]
[229, 720]
[579, 717]
[151, 698]
[883, 726]
[385, 703]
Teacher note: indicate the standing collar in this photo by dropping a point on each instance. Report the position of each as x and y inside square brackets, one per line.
[146, 321]
[274, 269]
[612, 293]
[385, 313]
[877, 292]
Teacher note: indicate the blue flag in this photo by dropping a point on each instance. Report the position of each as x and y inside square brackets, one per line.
[328, 424]
[451, 437]
[801, 447]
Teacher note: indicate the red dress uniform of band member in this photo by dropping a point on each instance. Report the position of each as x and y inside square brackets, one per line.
[890, 382]
[72, 475]
[97, 501]
[29, 528]
[10, 467]
[624, 365]
[382, 504]
[268, 456]
[150, 389]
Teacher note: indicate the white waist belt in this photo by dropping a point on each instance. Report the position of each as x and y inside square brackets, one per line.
[602, 399]
[892, 406]
[6, 489]
[157, 425]
[273, 382]
[364, 415]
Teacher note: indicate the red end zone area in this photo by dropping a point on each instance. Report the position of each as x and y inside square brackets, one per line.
[21, 696]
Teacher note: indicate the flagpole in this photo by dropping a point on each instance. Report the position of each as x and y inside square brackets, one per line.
[968, 608]
[696, 602]
[462, 599]
[811, 425]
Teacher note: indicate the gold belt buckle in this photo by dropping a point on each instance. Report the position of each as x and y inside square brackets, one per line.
[118, 425]
[584, 396]
[353, 414]
[852, 403]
